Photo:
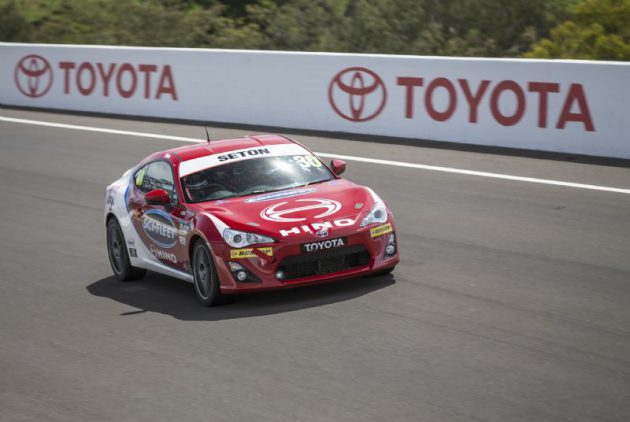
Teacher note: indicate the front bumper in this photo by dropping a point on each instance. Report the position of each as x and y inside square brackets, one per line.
[287, 264]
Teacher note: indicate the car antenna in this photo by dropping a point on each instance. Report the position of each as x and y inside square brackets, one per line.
[207, 135]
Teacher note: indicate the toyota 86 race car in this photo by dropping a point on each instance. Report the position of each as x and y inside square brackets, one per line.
[243, 215]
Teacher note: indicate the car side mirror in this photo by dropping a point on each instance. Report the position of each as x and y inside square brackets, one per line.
[157, 197]
[338, 166]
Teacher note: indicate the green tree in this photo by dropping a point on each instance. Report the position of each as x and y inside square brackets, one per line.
[488, 27]
[119, 22]
[387, 26]
[590, 29]
[298, 25]
[13, 26]
[600, 30]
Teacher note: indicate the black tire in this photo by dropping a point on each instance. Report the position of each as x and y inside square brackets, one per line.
[206, 279]
[118, 256]
[385, 271]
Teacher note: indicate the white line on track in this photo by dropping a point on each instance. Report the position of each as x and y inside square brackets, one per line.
[99, 129]
[326, 154]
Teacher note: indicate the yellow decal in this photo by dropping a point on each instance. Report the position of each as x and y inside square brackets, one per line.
[140, 176]
[249, 253]
[381, 230]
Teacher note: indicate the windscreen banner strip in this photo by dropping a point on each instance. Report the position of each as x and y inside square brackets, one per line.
[202, 163]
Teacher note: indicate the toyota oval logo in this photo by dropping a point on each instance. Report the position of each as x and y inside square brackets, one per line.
[357, 94]
[280, 213]
[321, 233]
[33, 76]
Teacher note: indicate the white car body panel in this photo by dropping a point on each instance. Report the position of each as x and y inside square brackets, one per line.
[116, 204]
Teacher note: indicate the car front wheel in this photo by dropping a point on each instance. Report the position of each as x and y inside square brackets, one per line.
[205, 276]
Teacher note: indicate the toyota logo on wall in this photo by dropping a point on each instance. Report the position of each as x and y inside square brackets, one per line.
[325, 207]
[357, 94]
[33, 76]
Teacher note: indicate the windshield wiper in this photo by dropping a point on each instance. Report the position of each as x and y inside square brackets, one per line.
[259, 191]
[314, 183]
[256, 192]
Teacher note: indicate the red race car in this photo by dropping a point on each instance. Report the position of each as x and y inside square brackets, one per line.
[243, 215]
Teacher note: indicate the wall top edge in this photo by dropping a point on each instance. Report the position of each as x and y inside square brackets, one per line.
[317, 54]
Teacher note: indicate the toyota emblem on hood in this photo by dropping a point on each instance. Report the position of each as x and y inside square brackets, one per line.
[321, 233]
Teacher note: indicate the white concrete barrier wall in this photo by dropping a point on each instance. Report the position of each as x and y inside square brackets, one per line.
[563, 106]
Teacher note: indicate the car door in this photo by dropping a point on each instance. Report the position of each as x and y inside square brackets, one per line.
[160, 226]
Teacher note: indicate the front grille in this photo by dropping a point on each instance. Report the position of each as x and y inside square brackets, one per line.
[324, 262]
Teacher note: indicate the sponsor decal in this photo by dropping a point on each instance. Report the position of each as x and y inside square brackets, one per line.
[127, 201]
[249, 253]
[163, 255]
[34, 78]
[202, 163]
[314, 227]
[381, 230]
[307, 161]
[159, 226]
[279, 195]
[131, 242]
[133, 253]
[575, 99]
[242, 154]
[182, 240]
[324, 245]
[110, 202]
[358, 205]
[357, 94]
[277, 213]
[184, 227]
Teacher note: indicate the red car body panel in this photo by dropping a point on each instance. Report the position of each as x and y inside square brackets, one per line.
[292, 217]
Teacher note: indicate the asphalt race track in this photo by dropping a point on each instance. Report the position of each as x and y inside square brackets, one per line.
[511, 302]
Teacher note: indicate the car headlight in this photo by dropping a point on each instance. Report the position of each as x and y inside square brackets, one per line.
[378, 213]
[239, 239]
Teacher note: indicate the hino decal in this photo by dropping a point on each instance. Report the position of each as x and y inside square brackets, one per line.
[312, 228]
[160, 254]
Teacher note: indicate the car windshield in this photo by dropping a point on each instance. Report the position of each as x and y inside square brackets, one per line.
[254, 176]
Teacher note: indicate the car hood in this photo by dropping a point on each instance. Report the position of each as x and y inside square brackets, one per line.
[335, 206]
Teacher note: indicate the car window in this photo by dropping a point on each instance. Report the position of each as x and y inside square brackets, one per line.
[160, 176]
[258, 175]
[156, 175]
[139, 177]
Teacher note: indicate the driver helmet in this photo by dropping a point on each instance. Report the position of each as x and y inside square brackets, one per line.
[195, 183]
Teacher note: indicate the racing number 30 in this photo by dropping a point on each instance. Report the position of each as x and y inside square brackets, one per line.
[306, 161]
